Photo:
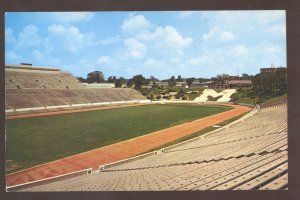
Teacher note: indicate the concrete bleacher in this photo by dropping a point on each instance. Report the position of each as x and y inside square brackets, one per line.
[31, 87]
[249, 154]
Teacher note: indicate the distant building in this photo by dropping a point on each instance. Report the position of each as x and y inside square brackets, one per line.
[99, 85]
[181, 84]
[149, 86]
[271, 69]
[240, 83]
[162, 84]
[197, 84]
[233, 77]
[220, 85]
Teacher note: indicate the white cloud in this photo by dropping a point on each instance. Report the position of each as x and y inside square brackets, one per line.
[246, 26]
[9, 36]
[216, 34]
[277, 30]
[37, 54]
[69, 17]
[73, 39]
[28, 37]
[48, 47]
[167, 37]
[146, 37]
[238, 50]
[153, 64]
[227, 36]
[210, 34]
[203, 60]
[58, 29]
[270, 49]
[13, 57]
[135, 49]
[104, 60]
[193, 61]
[135, 23]
[110, 40]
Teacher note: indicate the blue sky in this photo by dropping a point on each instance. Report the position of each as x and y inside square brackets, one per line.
[162, 44]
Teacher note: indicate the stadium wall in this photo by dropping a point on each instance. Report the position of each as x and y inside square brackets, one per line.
[48, 180]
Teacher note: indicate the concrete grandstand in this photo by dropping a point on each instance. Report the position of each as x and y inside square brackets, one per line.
[31, 88]
[250, 153]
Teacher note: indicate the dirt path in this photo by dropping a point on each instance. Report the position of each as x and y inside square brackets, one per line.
[120, 150]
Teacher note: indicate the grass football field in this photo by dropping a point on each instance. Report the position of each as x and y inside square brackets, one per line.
[33, 141]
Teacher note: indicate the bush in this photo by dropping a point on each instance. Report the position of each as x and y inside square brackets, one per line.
[158, 97]
[145, 93]
[210, 98]
[171, 90]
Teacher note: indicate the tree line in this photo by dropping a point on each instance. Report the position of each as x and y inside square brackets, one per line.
[270, 83]
[98, 77]
[267, 83]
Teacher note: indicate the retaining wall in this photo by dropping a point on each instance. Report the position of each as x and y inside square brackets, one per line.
[48, 180]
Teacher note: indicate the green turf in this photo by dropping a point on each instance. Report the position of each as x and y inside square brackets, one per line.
[275, 99]
[34, 141]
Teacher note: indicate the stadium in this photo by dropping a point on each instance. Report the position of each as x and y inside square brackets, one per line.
[62, 136]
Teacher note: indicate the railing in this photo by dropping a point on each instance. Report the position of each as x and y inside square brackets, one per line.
[75, 105]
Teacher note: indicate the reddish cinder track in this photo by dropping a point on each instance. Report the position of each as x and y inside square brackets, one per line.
[120, 150]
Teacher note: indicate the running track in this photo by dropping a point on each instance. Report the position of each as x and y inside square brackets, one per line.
[118, 151]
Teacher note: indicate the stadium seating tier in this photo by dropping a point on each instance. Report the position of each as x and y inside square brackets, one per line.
[250, 154]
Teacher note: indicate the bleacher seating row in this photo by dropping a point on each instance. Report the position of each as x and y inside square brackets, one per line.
[30, 79]
[30, 88]
[29, 98]
[250, 154]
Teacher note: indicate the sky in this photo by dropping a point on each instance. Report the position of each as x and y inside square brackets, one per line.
[162, 43]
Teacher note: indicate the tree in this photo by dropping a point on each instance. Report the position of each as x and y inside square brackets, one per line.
[245, 76]
[189, 81]
[172, 81]
[147, 81]
[180, 93]
[222, 78]
[112, 79]
[82, 80]
[95, 76]
[281, 80]
[118, 83]
[179, 79]
[138, 81]
[152, 78]
[130, 83]
[274, 83]
[123, 80]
